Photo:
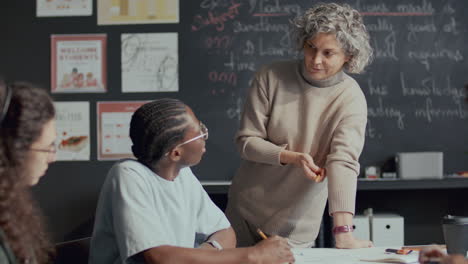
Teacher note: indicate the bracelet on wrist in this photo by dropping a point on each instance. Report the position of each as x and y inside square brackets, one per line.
[342, 229]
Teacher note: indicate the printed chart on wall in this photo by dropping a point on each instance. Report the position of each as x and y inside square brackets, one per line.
[55, 8]
[149, 62]
[78, 63]
[137, 11]
[72, 130]
[113, 129]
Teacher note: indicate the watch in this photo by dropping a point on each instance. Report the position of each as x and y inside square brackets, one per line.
[342, 229]
[215, 244]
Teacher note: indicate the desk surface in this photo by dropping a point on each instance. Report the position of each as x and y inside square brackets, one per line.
[222, 187]
[350, 256]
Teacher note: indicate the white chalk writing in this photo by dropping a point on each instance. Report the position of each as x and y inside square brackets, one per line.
[423, 56]
[425, 7]
[388, 49]
[377, 7]
[382, 25]
[429, 112]
[384, 111]
[377, 89]
[371, 132]
[234, 112]
[429, 88]
[418, 28]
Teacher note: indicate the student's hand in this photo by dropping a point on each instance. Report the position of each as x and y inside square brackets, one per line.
[429, 253]
[347, 240]
[434, 252]
[274, 250]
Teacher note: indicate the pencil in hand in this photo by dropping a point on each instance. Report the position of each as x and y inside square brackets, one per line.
[264, 237]
[260, 232]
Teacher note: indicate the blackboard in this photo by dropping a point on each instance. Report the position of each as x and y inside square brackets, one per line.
[414, 87]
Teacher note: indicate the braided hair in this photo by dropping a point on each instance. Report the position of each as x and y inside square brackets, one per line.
[157, 127]
[21, 221]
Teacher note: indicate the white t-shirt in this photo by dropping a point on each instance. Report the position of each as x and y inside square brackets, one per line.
[138, 210]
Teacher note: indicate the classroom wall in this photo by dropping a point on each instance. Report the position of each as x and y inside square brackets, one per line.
[414, 87]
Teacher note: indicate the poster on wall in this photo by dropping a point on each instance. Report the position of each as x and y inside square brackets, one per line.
[72, 121]
[137, 11]
[57, 8]
[78, 63]
[149, 62]
[113, 123]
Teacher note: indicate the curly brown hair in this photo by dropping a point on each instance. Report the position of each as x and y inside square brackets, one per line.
[343, 21]
[20, 218]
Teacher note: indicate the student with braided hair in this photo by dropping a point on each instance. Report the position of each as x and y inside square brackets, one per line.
[27, 147]
[151, 209]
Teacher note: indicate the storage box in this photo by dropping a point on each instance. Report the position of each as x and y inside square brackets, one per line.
[361, 227]
[387, 230]
[420, 165]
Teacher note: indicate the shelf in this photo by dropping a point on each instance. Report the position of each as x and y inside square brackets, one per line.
[222, 187]
[446, 183]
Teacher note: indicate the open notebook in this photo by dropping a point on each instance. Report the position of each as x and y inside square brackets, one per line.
[350, 256]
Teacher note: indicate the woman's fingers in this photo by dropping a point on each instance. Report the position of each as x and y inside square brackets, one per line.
[308, 172]
[321, 175]
[311, 170]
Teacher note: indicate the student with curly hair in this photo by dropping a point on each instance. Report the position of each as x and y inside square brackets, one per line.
[301, 134]
[151, 209]
[27, 147]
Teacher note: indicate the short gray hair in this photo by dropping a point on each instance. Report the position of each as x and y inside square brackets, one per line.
[347, 25]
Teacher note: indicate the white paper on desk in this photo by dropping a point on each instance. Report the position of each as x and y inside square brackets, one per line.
[347, 256]
[395, 258]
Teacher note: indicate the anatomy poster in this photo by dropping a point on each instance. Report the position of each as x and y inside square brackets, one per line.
[113, 129]
[137, 11]
[73, 142]
[149, 62]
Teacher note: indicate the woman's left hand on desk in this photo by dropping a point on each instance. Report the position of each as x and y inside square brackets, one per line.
[347, 240]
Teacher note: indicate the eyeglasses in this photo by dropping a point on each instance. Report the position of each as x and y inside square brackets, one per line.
[52, 150]
[203, 134]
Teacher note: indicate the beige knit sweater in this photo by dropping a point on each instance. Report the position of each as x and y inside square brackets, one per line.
[284, 111]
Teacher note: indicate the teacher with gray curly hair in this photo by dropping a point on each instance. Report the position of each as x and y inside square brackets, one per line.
[301, 134]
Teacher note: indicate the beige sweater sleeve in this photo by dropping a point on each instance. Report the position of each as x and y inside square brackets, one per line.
[342, 162]
[251, 139]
